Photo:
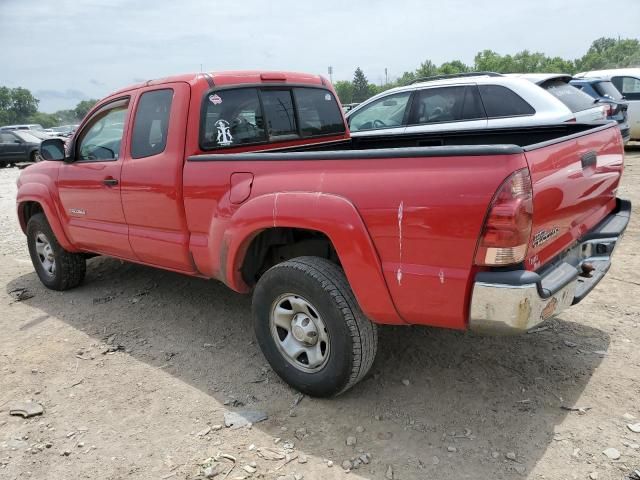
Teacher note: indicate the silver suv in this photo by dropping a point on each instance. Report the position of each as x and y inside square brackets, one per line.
[463, 102]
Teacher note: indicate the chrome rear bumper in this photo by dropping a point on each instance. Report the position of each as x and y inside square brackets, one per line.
[515, 301]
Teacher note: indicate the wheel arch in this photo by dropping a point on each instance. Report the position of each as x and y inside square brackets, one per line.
[35, 198]
[332, 220]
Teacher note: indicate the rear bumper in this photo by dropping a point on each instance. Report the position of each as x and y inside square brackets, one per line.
[512, 302]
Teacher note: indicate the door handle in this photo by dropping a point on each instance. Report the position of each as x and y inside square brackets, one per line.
[110, 182]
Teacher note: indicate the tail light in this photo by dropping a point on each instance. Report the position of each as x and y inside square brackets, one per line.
[608, 109]
[507, 227]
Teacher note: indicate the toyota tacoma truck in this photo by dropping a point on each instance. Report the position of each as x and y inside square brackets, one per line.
[252, 179]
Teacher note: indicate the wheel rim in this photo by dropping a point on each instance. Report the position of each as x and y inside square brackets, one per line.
[45, 254]
[299, 333]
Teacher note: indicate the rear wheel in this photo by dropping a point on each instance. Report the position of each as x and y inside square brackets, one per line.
[56, 268]
[310, 327]
[35, 156]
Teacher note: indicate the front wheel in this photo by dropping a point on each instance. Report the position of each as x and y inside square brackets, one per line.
[310, 327]
[56, 268]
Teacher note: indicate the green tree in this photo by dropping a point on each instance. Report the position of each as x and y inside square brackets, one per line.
[47, 120]
[344, 89]
[23, 104]
[406, 78]
[455, 66]
[360, 86]
[83, 107]
[426, 69]
[610, 53]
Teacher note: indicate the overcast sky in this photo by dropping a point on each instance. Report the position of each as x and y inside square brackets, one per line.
[68, 50]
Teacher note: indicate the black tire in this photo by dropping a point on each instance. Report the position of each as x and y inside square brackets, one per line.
[352, 337]
[70, 267]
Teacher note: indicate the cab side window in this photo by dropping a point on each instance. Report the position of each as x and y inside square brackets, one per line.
[151, 123]
[101, 138]
[386, 112]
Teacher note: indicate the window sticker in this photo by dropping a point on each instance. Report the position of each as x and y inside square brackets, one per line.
[327, 97]
[224, 136]
[215, 99]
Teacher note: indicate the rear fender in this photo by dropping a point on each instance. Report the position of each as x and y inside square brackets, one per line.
[37, 192]
[331, 215]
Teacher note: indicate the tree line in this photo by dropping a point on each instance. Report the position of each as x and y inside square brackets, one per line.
[18, 105]
[603, 53]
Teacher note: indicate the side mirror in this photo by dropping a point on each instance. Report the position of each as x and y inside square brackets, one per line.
[52, 149]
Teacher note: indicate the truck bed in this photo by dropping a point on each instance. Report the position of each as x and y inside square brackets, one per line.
[423, 199]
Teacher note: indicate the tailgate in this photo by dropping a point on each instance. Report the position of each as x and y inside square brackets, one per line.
[575, 180]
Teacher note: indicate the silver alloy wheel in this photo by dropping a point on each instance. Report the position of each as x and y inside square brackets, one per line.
[45, 254]
[299, 333]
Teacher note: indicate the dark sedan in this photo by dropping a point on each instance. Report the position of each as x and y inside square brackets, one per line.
[18, 146]
[607, 94]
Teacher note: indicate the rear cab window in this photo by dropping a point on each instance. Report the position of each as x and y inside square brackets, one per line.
[501, 101]
[255, 115]
[573, 98]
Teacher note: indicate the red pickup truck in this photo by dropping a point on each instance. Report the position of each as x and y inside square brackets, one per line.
[493, 231]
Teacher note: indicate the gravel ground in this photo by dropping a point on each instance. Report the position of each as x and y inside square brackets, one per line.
[137, 367]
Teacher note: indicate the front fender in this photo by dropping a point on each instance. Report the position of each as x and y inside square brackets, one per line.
[332, 215]
[39, 193]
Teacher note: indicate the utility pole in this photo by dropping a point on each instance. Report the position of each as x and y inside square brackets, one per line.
[330, 72]
[386, 76]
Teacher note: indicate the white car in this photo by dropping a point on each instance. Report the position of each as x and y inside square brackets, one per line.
[469, 101]
[627, 81]
[584, 107]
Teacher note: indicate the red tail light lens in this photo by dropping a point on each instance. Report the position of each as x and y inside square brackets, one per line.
[507, 228]
[608, 109]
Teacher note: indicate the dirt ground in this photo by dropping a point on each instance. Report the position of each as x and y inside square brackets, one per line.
[136, 368]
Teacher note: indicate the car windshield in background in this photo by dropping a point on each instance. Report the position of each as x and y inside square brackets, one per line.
[26, 136]
[573, 98]
[382, 113]
[607, 89]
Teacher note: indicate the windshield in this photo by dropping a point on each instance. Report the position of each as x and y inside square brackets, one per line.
[26, 136]
[573, 98]
[607, 89]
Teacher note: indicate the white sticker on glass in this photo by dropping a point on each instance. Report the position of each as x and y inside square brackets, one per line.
[327, 97]
[224, 136]
[215, 99]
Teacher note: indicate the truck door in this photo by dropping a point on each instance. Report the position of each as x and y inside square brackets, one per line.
[152, 177]
[89, 186]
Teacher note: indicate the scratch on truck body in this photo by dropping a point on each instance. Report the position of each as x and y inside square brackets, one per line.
[400, 216]
[275, 209]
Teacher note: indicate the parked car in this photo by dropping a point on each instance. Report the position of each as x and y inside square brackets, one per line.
[30, 126]
[18, 146]
[584, 107]
[609, 97]
[492, 232]
[627, 81]
[349, 106]
[472, 101]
